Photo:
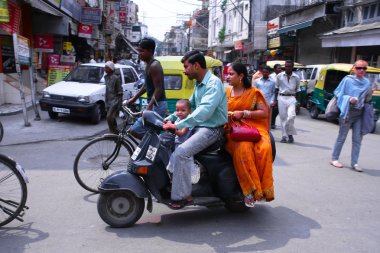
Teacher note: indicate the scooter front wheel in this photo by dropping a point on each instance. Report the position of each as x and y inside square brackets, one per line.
[120, 208]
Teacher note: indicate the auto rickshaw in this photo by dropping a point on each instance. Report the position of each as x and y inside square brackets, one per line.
[330, 77]
[177, 85]
[298, 69]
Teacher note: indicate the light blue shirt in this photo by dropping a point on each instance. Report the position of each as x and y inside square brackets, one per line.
[267, 87]
[209, 105]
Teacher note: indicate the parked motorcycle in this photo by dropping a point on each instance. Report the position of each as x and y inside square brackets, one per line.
[122, 195]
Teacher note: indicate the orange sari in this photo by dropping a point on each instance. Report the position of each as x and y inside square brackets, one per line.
[252, 161]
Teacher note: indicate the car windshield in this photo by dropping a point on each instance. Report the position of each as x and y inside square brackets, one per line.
[86, 74]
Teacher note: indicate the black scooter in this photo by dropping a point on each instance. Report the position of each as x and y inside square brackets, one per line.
[122, 195]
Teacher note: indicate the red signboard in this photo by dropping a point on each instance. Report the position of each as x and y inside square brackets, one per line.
[85, 31]
[13, 25]
[122, 15]
[44, 43]
[54, 59]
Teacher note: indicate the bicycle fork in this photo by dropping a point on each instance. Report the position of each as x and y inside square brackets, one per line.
[10, 211]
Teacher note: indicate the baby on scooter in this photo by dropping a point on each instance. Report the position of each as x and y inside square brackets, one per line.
[182, 110]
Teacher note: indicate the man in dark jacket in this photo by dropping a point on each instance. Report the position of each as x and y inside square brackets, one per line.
[114, 96]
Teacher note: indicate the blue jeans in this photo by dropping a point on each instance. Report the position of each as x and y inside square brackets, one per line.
[138, 129]
[344, 127]
[182, 160]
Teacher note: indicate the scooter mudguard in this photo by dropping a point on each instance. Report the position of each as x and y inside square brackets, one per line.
[123, 180]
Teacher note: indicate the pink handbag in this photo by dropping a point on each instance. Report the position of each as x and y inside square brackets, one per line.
[241, 131]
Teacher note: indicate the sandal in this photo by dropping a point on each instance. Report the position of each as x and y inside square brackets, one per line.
[179, 204]
[249, 200]
[336, 164]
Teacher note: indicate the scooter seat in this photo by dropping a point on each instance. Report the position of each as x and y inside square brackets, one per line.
[216, 146]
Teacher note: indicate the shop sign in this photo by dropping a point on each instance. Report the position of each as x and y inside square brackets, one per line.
[248, 48]
[91, 16]
[67, 46]
[44, 43]
[85, 31]
[70, 59]
[22, 50]
[57, 73]
[260, 35]
[273, 26]
[53, 59]
[72, 8]
[13, 25]
[238, 45]
[4, 13]
[274, 42]
[7, 55]
[122, 15]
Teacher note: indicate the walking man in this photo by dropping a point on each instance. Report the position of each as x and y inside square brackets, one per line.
[114, 96]
[287, 87]
[209, 114]
[154, 85]
[267, 86]
[274, 109]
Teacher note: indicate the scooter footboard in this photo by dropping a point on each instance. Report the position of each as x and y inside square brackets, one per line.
[123, 180]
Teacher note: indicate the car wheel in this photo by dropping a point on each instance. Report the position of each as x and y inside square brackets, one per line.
[96, 115]
[314, 112]
[53, 115]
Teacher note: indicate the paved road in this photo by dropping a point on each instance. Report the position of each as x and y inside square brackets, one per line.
[317, 208]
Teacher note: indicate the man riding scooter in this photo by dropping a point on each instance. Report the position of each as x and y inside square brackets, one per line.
[209, 114]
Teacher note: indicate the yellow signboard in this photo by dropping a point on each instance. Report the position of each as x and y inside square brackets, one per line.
[68, 46]
[57, 73]
[274, 42]
[4, 13]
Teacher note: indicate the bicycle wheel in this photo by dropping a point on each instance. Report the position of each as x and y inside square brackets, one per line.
[89, 169]
[13, 192]
[1, 131]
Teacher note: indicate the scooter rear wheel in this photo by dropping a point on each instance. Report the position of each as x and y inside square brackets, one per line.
[120, 208]
[236, 206]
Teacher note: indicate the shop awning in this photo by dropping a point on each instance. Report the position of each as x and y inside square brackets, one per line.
[295, 27]
[129, 44]
[41, 5]
[353, 36]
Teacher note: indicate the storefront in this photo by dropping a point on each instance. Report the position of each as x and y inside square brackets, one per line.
[355, 42]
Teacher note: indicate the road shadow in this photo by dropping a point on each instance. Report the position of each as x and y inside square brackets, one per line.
[307, 145]
[262, 228]
[371, 172]
[17, 239]
[91, 198]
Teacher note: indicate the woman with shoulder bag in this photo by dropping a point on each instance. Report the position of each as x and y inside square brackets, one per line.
[352, 92]
[252, 160]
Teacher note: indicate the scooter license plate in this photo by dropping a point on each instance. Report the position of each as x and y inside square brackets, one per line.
[151, 153]
[136, 153]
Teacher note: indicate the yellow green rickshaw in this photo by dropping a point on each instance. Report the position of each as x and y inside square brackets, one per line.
[177, 85]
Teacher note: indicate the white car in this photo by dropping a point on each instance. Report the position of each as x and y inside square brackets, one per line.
[82, 92]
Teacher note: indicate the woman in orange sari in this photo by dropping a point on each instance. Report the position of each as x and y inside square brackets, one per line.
[252, 161]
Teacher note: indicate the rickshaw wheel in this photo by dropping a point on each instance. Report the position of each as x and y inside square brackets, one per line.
[314, 112]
